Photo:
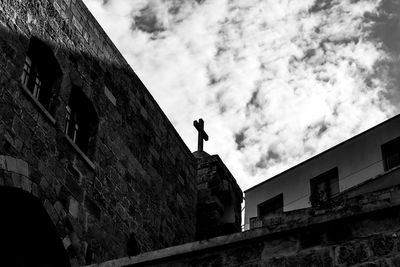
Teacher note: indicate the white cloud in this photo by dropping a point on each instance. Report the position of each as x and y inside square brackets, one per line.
[285, 79]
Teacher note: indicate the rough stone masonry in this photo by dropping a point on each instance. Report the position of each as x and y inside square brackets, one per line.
[134, 179]
[360, 230]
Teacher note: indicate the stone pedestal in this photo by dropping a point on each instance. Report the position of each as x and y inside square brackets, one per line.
[219, 198]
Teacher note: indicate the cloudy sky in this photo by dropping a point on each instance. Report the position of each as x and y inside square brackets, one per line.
[276, 81]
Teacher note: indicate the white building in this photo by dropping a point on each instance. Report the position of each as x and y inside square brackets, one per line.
[356, 160]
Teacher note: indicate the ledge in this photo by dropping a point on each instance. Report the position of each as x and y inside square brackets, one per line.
[383, 180]
[80, 152]
[39, 105]
[374, 202]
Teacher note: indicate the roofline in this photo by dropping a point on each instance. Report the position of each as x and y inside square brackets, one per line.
[323, 152]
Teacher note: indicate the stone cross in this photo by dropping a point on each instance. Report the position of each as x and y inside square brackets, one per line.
[199, 125]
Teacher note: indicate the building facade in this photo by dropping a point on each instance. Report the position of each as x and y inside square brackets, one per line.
[320, 179]
[81, 133]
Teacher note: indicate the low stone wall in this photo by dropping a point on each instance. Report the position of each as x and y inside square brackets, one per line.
[362, 231]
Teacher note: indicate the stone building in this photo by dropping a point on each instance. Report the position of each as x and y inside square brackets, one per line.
[358, 226]
[93, 172]
[91, 169]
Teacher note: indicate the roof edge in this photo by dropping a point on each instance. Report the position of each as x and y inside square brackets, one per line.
[325, 151]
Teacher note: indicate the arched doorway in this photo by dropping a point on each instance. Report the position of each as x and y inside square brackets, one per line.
[27, 234]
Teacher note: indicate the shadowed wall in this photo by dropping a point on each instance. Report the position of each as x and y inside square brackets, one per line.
[126, 180]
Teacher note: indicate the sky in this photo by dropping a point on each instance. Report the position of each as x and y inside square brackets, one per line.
[276, 81]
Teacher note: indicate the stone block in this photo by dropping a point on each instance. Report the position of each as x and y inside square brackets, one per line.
[66, 242]
[395, 261]
[384, 196]
[11, 164]
[20, 129]
[74, 187]
[59, 209]
[35, 190]
[3, 162]
[395, 196]
[282, 246]
[122, 212]
[16, 179]
[155, 154]
[203, 186]
[350, 254]
[382, 245]
[315, 258]
[110, 96]
[26, 184]
[120, 168]
[28, 120]
[180, 200]
[73, 207]
[181, 180]
[22, 167]
[51, 211]
[92, 207]
[18, 144]
[274, 262]
[8, 181]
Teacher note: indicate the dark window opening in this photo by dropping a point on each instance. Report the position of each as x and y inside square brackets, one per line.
[271, 206]
[132, 246]
[40, 73]
[81, 121]
[391, 154]
[324, 187]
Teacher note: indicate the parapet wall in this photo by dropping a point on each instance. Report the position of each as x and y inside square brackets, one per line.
[362, 231]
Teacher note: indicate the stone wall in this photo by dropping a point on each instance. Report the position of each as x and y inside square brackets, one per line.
[219, 198]
[360, 231]
[139, 177]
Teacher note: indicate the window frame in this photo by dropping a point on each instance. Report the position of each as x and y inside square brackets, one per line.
[269, 202]
[73, 111]
[41, 74]
[324, 179]
[384, 151]
[26, 71]
[31, 79]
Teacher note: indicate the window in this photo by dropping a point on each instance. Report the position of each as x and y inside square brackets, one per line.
[391, 154]
[81, 120]
[324, 187]
[40, 73]
[271, 206]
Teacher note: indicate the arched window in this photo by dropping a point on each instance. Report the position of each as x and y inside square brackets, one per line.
[40, 73]
[81, 120]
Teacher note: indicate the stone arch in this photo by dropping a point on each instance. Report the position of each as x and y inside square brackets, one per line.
[28, 235]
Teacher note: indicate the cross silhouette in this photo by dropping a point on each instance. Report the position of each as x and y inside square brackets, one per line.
[199, 125]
